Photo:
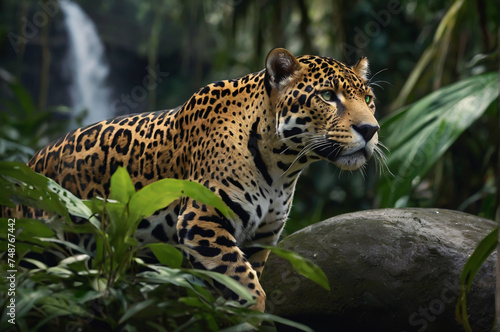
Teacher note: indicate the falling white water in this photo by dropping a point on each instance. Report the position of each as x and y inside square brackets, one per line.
[87, 65]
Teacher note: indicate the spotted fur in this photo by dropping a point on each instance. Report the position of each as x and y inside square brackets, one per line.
[246, 139]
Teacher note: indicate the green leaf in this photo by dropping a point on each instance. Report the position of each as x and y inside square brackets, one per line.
[24, 186]
[36, 263]
[227, 281]
[284, 321]
[26, 299]
[30, 228]
[68, 244]
[203, 292]
[61, 304]
[484, 249]
[166, 275]
[240, 327]
[419, 134]
[134, 309]
[28, 232]
[166, 254]
[192, 302]
[76, 262]
[303, 265]
[162, 193]
[122, 187]
[73, 204]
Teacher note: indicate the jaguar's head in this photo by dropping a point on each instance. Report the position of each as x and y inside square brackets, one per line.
[323, 108]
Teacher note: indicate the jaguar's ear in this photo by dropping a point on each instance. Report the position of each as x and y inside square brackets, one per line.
[280, 64]
[361, 68]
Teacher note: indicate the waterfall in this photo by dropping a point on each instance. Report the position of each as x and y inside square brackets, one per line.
[87, 65]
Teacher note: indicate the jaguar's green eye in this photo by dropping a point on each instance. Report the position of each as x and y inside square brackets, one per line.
[327, 95]
[368, 99]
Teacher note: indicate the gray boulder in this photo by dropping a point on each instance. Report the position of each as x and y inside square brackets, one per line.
[389, 270]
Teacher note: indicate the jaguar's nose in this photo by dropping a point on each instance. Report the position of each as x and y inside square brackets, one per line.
[367, 131]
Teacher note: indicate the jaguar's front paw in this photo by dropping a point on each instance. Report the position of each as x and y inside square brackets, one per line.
[261, 303]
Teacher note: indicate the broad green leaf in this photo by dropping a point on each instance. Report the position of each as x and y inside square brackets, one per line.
[162, 193]
[22, 185]
[122, 187]
[28, 228]
[484, 249]
[73, 204]
[303, 265]
[166, 254]
[419, 134]
[115, 212]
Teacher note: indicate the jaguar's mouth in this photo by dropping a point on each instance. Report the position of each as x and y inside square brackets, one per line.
[329, 152]
[352, 161]
[349, 161]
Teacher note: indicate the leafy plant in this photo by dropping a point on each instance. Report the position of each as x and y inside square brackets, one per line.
[484, 249]
[113, 288]
[419, 134]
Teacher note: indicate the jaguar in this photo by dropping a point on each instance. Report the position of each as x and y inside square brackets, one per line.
[246, 139]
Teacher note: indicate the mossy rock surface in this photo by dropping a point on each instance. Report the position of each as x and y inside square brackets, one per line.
[389, 270]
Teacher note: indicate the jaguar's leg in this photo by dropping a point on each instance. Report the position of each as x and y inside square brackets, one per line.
[209, 239]
[257, 258]
[268, 235]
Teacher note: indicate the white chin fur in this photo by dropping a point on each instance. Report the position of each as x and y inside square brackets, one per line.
[350, 162]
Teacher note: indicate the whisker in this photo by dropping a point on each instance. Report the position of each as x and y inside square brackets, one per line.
[314, 144]
[336, 149]
[380, 81]
[383, 146]
[381, 159]
[377, 85]
[362, 170]
[304, 134]
[292, 144]
[380, 71]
